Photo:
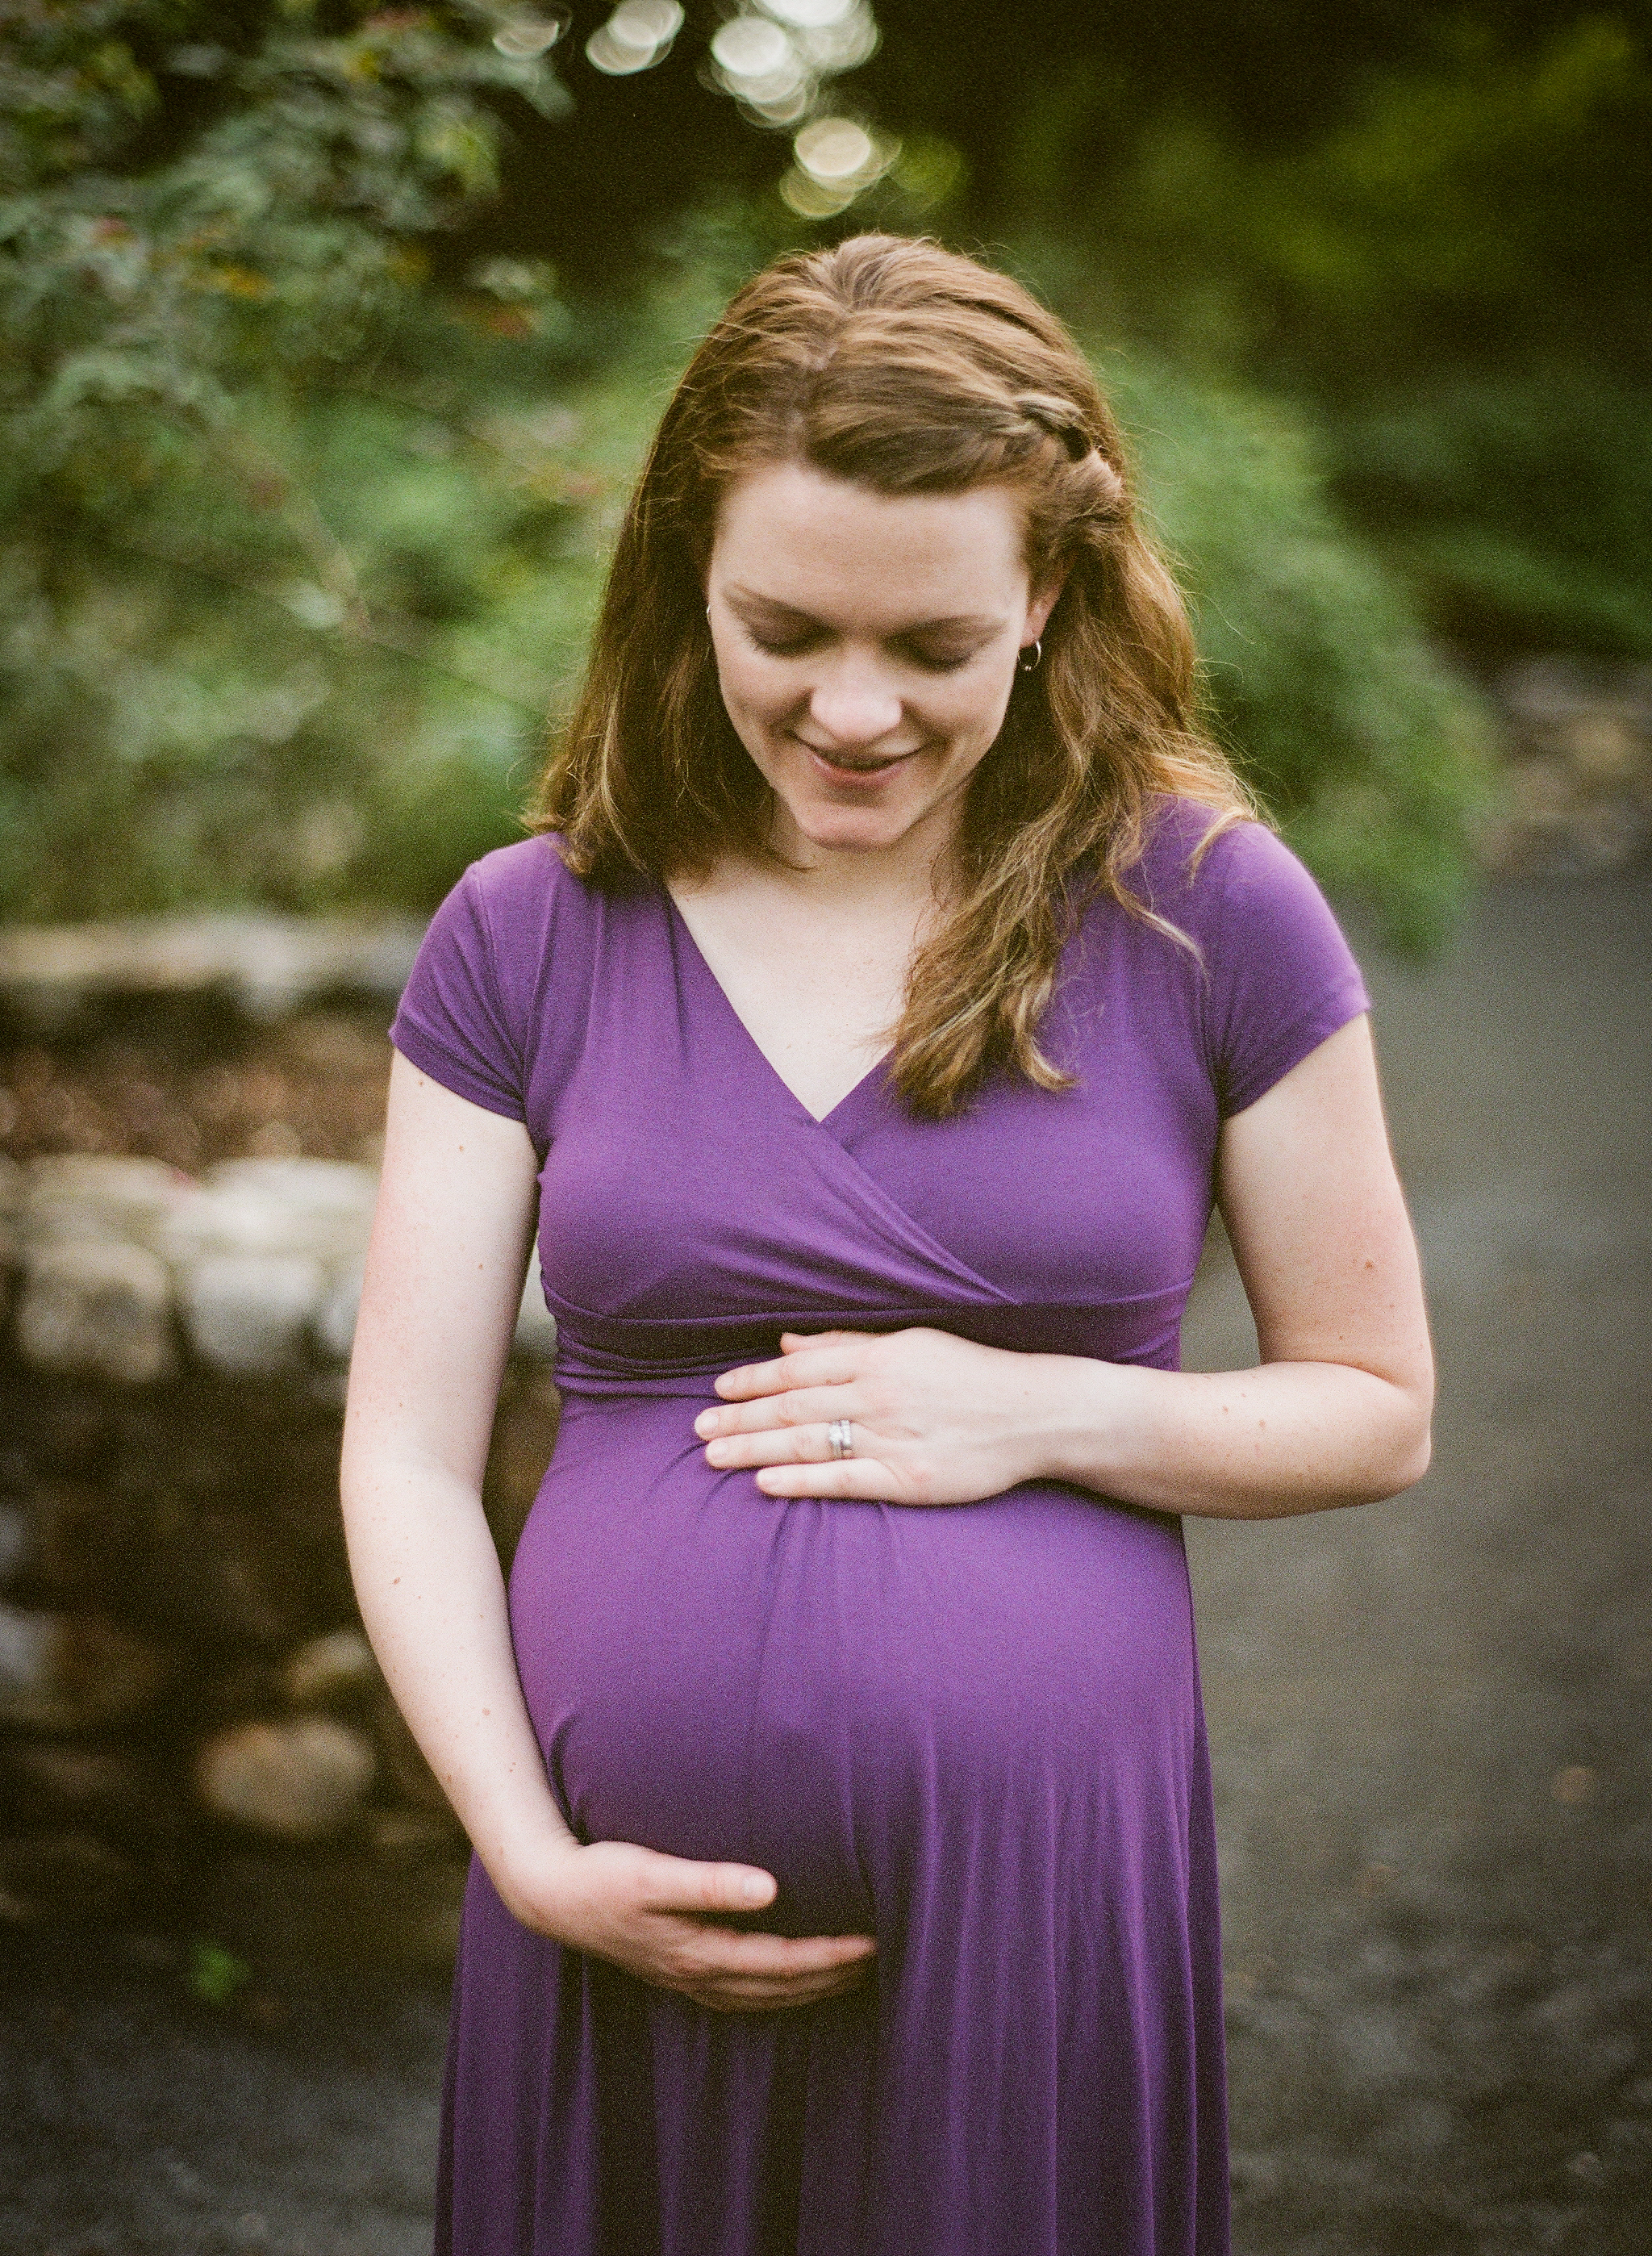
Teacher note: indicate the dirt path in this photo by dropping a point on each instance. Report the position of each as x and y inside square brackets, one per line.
[1435, 1785]
[1429, 1722]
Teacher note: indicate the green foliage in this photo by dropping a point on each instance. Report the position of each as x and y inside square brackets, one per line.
[1355, 735]
[218, 702]
[1492, 205]
[215, 1976]
[285, 231]
[229, 565]
[1454, 269]
[301, 526]
[211, 721]
[1520, 508]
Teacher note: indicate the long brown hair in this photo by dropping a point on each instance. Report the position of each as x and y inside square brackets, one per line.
[908, 369]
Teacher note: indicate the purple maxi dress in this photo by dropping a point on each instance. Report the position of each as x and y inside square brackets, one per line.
[973, 1731]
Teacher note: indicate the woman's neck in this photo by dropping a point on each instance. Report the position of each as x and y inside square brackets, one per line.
[918, 871]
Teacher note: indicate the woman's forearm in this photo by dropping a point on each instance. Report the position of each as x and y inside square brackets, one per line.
[1286, 1437]
[432, 1602]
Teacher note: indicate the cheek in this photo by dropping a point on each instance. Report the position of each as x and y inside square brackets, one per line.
[751, 687]
[979, 716]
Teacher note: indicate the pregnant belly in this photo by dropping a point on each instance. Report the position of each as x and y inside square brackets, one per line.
[839, 1692]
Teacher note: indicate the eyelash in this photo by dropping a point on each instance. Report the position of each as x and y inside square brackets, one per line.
[796, 650]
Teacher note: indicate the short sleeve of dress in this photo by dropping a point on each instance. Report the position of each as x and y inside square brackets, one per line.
[1281, 976]
[451, 1022]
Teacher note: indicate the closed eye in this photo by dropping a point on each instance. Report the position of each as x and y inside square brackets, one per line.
[795, 647]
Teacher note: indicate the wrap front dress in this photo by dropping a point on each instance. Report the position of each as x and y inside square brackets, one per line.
[972, 1731]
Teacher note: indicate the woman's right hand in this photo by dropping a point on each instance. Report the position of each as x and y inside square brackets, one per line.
[657, 1917]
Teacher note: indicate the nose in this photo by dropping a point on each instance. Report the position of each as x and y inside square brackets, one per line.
[852, 704]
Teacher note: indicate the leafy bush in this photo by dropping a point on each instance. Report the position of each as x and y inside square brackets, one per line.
[1521, 508]
[1355, 734]
[196, 712]
[1449, 261]
[205, 707]
[214, 225]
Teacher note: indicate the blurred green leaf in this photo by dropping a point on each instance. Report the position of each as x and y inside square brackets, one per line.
[215, 1974]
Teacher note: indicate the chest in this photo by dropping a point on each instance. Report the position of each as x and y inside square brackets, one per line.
[818, 992]
[683, 1176]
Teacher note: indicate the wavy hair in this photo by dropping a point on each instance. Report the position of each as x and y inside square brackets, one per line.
[910, 369]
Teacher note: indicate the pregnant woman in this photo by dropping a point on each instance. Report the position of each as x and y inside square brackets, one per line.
[895, 979]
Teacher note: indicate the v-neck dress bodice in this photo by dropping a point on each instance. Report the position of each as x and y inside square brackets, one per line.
[973, 1731]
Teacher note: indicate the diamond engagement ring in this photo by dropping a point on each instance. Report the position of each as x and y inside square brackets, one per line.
[840, 1438]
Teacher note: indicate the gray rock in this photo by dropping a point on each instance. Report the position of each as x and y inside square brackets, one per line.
[12, 1192]
[322, 1208]
[71, 1196]
[536, 1326]
[336, 1319]
[97, 1309]
[72, 1672]
[250, 1312]
[268, 963]
[302, 1780]
[330, 1671]
[55, 1783]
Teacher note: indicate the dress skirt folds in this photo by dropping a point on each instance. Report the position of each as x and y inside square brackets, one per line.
[973, 1731]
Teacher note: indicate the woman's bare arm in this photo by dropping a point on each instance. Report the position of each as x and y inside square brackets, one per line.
[1340, 1407]
[444, 1274]
[444, 1281]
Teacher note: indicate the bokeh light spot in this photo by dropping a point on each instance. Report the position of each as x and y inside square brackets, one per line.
[835, 149]
[637, 36]
[525, 36]
[751, 47]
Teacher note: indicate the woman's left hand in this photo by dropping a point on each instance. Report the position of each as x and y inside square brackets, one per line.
[932, 1420]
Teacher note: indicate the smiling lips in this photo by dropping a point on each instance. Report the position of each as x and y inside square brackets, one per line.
[860, 771]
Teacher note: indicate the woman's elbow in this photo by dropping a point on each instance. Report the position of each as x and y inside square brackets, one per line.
[1410, 1449]
[1415, 1462]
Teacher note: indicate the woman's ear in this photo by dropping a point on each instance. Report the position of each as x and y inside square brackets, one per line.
[1042, 601]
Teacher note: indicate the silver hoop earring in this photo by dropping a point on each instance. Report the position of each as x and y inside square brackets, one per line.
[1030, 653]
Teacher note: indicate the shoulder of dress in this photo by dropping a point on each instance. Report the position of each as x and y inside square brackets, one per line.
[1189, 852]
[529, 883]
[528, 866]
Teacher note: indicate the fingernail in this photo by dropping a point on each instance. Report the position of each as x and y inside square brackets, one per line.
[717, 1453]
[755, 1890]
[706, 1422]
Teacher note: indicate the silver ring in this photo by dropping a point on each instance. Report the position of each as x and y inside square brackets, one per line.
[840, 1438]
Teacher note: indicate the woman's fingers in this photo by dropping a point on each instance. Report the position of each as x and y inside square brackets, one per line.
[784, 1444]
[667, 1920]
[860, 1480]
[827, 1360]
[797, 1461]
[732, 1952]
[761, 1998]
[680, 1884]
[803, 1407]
[737, 1972]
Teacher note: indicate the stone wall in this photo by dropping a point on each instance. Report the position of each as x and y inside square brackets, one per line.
[182, 1678]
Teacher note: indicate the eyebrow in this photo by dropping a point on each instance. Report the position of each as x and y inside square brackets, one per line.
[962, 622]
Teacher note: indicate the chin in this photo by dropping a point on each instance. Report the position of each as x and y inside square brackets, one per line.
[867, 828]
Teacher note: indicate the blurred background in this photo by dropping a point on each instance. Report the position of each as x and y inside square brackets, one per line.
[329, 340]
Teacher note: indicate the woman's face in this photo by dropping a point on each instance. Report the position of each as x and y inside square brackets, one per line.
[865, 648]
